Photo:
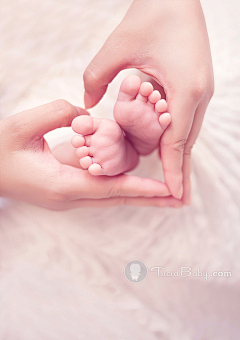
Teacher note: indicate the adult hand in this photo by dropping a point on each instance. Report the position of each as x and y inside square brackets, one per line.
[30, 172]
[167, 40]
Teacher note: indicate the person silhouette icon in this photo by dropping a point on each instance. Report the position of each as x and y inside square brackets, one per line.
[135, 271]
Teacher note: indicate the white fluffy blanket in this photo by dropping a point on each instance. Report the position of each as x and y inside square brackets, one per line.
[62, 272]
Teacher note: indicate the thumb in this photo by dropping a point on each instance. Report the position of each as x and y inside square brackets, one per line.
[48, 117]
[182, 109]
[104, 67]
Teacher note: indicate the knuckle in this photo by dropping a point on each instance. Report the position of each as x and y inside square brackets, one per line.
[203, 86]
[188, 149]
[178, 145]
[16, 127]
[57, 197]
[62, 105]
[57, 194]
[64, 110]
[60, 197]
[87, 75]
[123, 201]
[120, 201]
[115, 189]
[198, 90]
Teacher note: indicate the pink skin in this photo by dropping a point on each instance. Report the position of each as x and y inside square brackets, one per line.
[103, 148]
[155, 38]
[106, 151]
[139, 111]
[30, 171]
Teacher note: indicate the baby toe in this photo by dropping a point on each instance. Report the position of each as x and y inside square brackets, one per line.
[154, 97]
[85, 162]
[161, 106]
[145, 90]
[165, 119]
[78, 141]
[95, 169]
[82, 152]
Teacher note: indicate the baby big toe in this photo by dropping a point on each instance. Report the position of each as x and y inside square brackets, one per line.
[84, 125]
[129, 88]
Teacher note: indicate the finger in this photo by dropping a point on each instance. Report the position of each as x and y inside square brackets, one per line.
[196, 126]
[109, 202]
[134, 186]
[48, 117]
[79, 184]
[102, 70]
[182, 110]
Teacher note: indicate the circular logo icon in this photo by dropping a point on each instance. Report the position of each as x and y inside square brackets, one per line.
[135, 271]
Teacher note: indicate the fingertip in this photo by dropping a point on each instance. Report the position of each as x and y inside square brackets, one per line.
[172, 160]
[175, 186]
[88, 101]
[177, 194]
[91, 100]
[165, 192]
[180, 192]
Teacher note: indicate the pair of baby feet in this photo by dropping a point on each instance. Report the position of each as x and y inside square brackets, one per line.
[107, 147]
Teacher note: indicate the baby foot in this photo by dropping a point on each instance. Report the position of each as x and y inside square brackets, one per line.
[139, 111]
[102, 147]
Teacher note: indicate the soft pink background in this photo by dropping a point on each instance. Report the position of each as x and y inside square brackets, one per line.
[62, 272]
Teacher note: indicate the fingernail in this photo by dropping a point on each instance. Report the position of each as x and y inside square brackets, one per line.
[166, 194]
[180, 193]
[88, 100]
[82, 111]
